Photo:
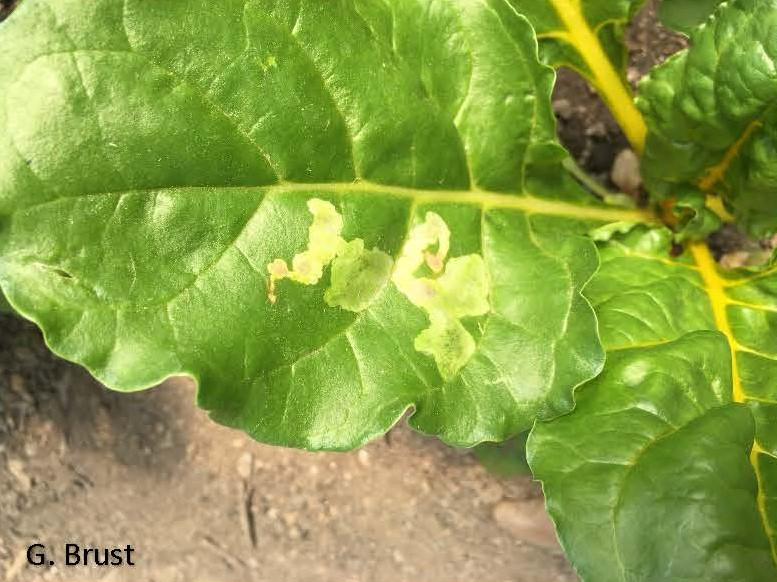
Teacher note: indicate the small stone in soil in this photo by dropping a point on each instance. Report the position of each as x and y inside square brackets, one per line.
[563, 108]
[245, 465]
[16, 468]
[625, 173]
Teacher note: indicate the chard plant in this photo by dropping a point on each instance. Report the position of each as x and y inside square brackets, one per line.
[329, 213]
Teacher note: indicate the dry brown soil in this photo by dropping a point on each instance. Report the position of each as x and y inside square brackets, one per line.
[203, 503]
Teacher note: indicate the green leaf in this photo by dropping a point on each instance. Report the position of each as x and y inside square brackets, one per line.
[653, 464]
[587, 36]
[711, 115]
[686, 15]
[279, 199]
[670, 439]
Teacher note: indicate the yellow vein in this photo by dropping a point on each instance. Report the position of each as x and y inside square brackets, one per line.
[715, 204]
[771, 534]
[753, 352]
[627, 252]
[639, 346]
[753, 306]
[718, 172]
[606, 79]
[714, 285]
[525, 203]
[750, 279]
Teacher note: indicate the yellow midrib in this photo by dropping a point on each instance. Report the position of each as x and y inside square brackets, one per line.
[718, 172]
[715, 204]
[761, 498]
[715, 286]
[606, 79]
[524, 202]
[618, 97]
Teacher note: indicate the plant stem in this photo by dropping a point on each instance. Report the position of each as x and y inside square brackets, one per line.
[590, 183]
[605, 78]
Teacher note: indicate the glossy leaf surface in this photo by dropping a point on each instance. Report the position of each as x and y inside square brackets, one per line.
[711, 115]
[666, 468]
[227, 191]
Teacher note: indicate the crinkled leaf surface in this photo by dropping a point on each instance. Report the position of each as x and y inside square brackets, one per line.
[667, 468]
[157, 157]
[712, 118]
[686, 15]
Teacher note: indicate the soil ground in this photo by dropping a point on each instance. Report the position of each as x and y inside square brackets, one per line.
[201, 503]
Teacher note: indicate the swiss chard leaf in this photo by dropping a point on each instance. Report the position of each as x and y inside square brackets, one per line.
[712, 118]
[686, 15]
[326, 213]
[671, 439]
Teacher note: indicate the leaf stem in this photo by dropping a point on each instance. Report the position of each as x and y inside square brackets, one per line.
[586, 180]
[717, 173]
[715, 204]
[605, 78]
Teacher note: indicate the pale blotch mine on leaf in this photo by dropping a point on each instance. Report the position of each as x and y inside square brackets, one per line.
[358, 275]
[460, 291]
